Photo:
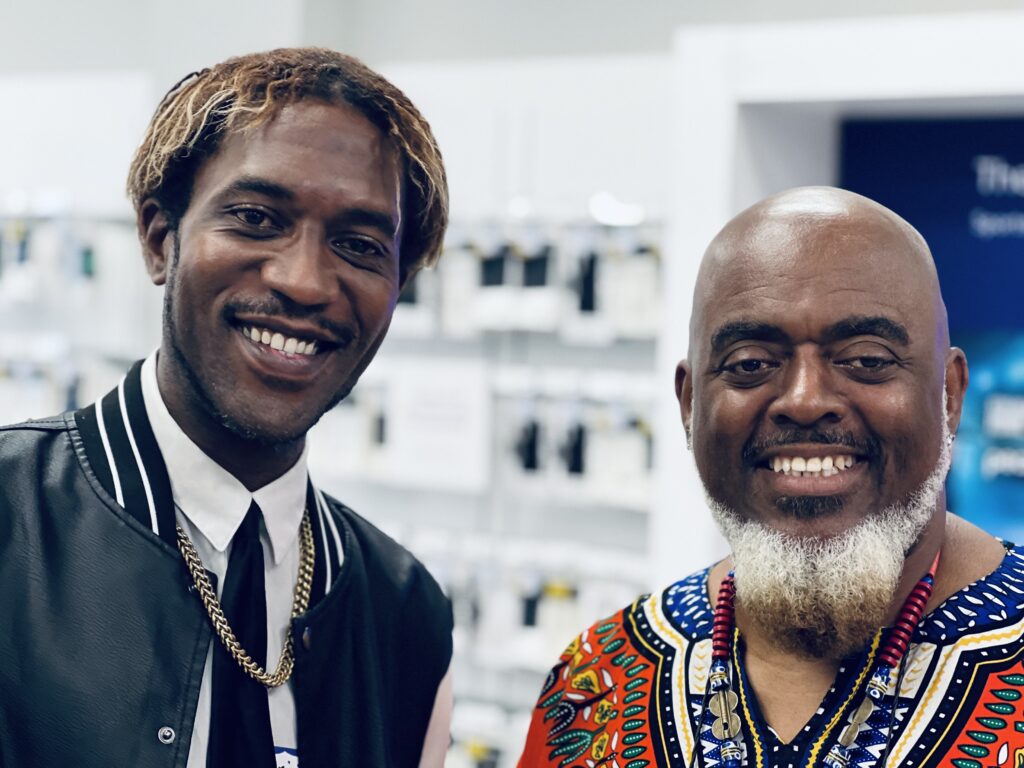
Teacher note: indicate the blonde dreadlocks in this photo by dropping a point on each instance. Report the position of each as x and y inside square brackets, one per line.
[245, 92]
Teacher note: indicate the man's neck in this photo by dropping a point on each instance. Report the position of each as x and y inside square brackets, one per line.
[254, 463]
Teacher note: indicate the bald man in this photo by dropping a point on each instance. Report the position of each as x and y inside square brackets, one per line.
[856, 621]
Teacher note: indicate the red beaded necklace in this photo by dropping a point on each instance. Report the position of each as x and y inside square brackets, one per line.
[722, 700]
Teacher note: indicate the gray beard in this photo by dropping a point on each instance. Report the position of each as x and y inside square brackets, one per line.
[826, 597]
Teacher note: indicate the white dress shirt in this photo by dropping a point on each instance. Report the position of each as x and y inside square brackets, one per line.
[211, 504]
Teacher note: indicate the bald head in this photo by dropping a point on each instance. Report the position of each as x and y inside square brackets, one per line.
[818, 395]
[818, 320]
[797, 234]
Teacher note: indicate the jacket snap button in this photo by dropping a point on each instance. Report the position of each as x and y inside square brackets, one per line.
[166, 735]
[307, 638]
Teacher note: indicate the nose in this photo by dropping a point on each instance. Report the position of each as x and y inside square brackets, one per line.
[302, 270]
[809, 395]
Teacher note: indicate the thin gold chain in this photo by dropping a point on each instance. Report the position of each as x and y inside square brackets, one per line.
[300, 601]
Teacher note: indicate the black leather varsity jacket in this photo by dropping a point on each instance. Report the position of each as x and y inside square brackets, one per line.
[103, 643]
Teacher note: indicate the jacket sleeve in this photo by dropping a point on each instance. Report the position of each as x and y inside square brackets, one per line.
[575, 718]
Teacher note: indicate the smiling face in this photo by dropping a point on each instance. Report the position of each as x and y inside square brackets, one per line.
[281, 277]
[817, 362]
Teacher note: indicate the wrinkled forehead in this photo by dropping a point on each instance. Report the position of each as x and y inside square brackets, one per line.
[809, 268]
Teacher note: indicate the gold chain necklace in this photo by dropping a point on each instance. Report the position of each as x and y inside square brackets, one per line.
[300, 601]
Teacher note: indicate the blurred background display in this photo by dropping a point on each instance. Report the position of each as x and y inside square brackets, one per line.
[961, 183]
[519, 429]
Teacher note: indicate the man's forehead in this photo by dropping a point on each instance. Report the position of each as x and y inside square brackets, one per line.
[813, 259]
[336, 139]
[782, 276]
[784, 238]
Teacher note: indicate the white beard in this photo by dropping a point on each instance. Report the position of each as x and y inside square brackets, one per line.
[826, 597]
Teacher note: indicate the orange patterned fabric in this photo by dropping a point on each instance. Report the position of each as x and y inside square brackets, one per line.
[593, 707]
[628, 692]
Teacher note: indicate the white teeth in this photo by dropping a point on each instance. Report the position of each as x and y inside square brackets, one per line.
[287, 344]
[816, 466]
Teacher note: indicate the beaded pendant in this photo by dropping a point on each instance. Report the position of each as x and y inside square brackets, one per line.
[888, 660]
[723, 702]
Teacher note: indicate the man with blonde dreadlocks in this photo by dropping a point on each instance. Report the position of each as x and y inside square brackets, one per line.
[175, 590]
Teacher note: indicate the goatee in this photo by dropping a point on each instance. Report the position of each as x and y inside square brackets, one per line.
[825, 597]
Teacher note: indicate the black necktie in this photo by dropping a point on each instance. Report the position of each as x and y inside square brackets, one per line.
[240, 734]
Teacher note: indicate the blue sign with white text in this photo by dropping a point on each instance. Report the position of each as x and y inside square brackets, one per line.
[960, 182]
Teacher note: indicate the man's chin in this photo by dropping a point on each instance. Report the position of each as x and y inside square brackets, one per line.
[264, 433]
[822, 632]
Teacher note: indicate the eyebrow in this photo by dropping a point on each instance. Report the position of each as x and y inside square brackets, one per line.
[866, 325]
[740, 330]
[260, 187]
[848, 327]
[366, 217]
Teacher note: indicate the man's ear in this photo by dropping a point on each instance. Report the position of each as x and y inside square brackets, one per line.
[684, 394]
[157, 239]
[956, 386]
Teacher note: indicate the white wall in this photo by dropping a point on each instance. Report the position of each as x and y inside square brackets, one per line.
[756, 111]
[68, 147]
[547, 132]
[414, 30]
[78, 82]
[172, 38]
[164, 39]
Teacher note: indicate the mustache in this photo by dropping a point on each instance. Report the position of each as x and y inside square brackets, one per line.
[285, 308]
[869, 447]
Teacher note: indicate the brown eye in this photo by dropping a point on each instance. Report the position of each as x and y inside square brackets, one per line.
[253, 218]
[749, 371]
[749, 366]
[867, 363]
[359, 246]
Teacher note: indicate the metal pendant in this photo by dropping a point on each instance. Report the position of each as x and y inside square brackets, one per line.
[726, 727]
[722, 702]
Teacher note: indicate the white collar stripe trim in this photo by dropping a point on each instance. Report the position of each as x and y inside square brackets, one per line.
[323, 535]
[138, 459]
[338, 551]
[118, 493]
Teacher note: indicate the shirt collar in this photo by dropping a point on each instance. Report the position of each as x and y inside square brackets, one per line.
[213, 499]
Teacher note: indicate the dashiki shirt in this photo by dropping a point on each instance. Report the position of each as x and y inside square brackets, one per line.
[628, 692]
